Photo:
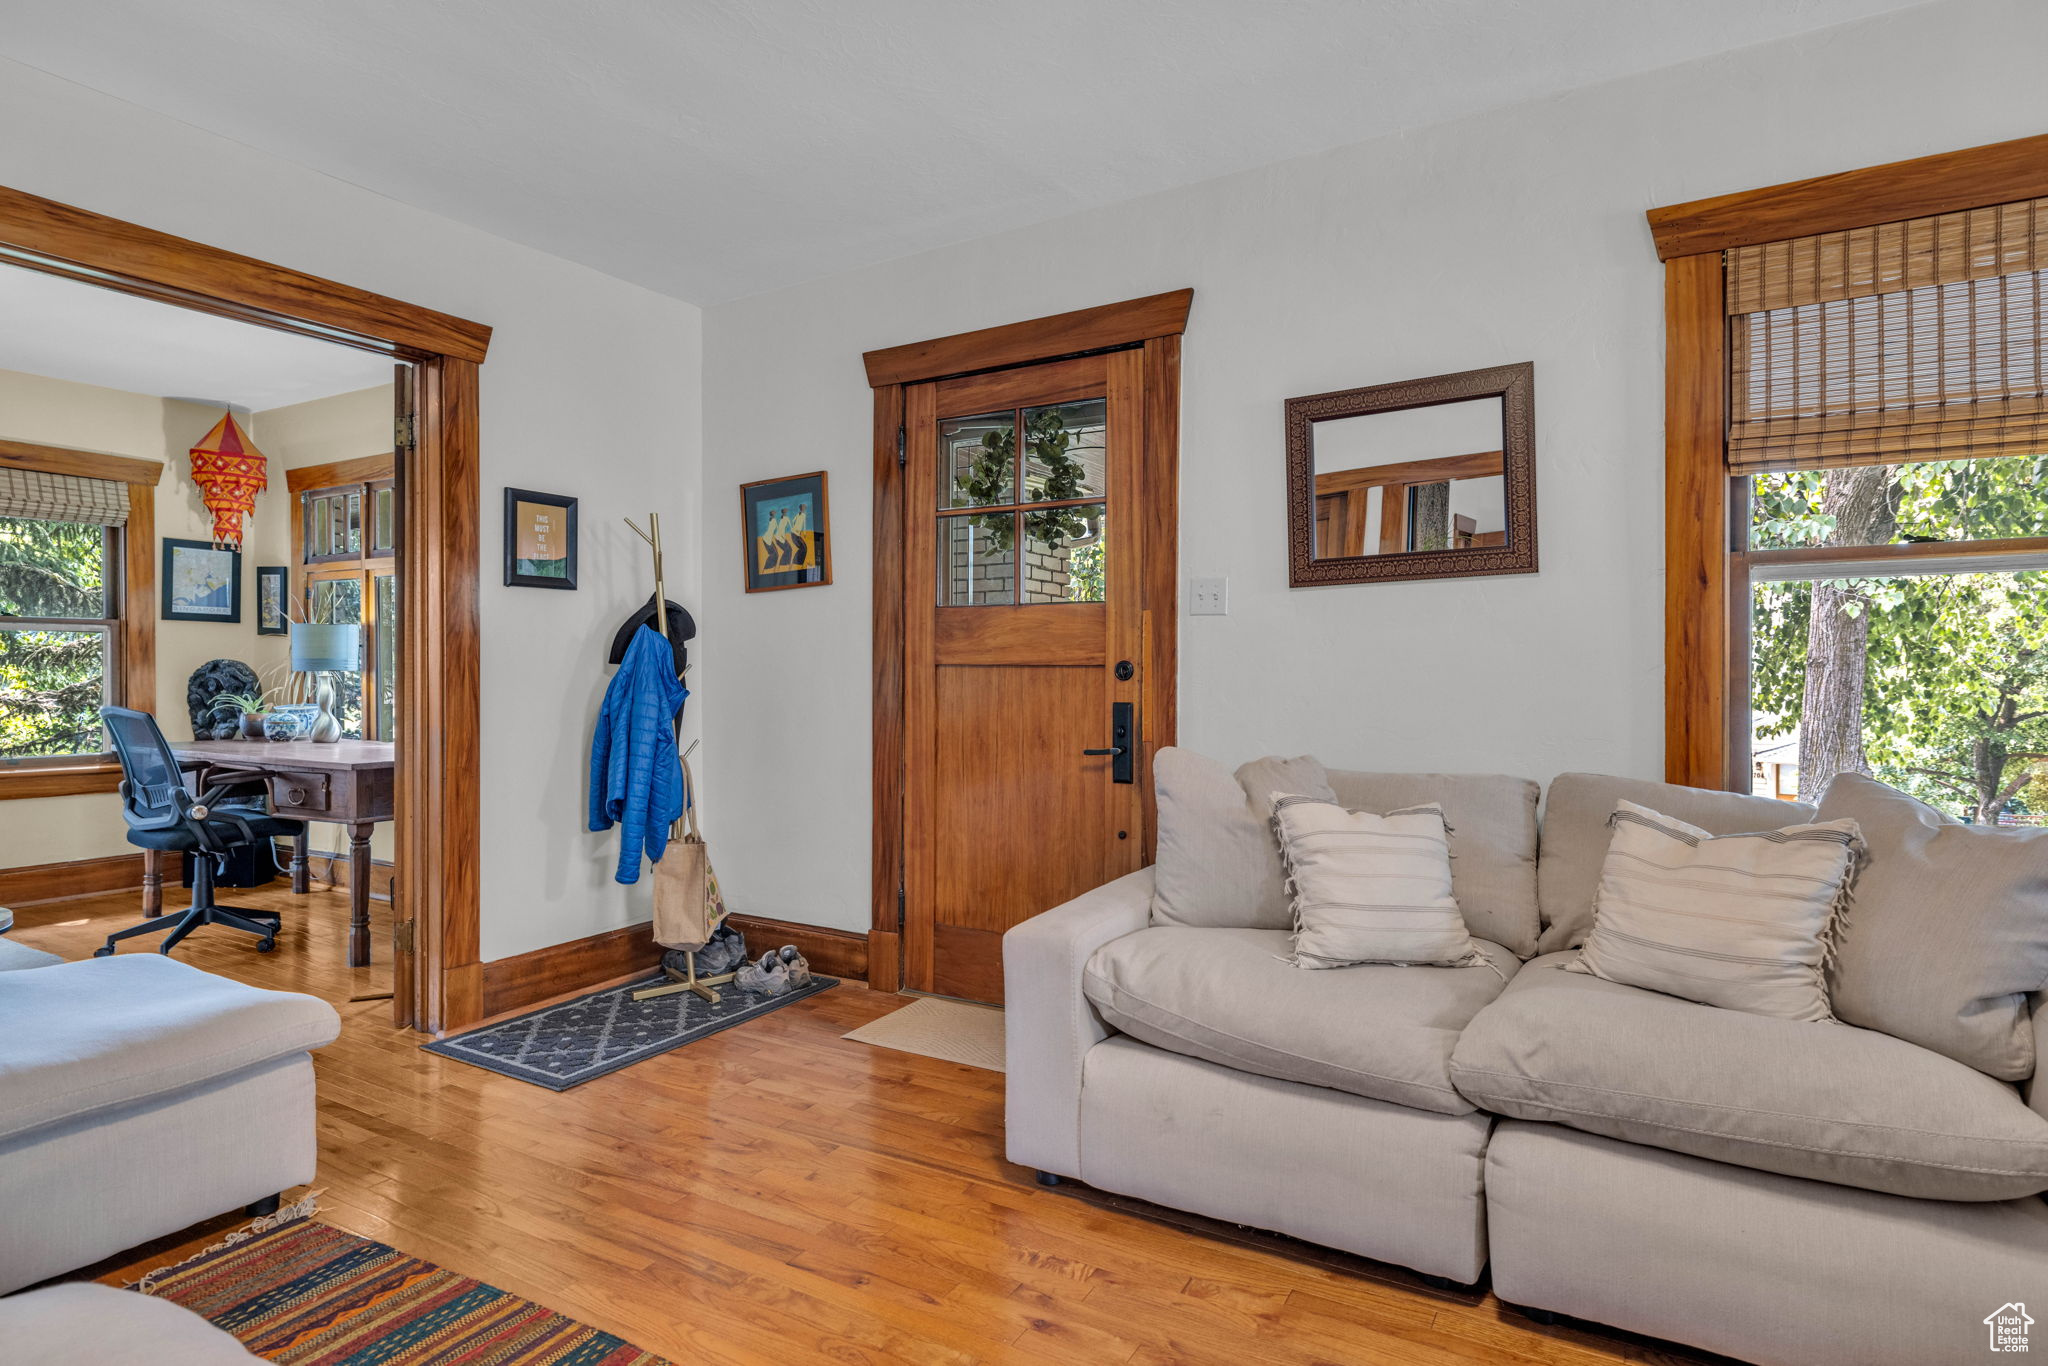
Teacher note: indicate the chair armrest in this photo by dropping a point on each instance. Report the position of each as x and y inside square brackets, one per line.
[1048, 1025]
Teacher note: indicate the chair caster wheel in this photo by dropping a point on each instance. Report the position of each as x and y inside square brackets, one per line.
[104, 951]
[265, 945]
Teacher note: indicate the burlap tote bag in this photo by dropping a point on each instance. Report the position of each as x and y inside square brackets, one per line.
[687, 906]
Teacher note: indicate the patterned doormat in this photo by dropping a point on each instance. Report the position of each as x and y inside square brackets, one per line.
[308, 1294]
[565, 1045]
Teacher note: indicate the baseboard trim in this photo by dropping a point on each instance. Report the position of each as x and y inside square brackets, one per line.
[524, 979]
[80, 877]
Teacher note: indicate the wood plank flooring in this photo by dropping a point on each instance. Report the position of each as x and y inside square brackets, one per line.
[776, 1195]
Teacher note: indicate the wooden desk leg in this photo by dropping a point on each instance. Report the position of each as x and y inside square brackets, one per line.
[302, 844]
[359, 894]
[152, 882]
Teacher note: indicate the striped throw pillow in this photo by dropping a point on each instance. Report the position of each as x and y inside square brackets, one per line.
[1745, 922]
[1369, 889]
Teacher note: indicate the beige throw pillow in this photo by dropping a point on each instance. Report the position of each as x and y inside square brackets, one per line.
[1218, 864]
[1369, 889]
[1947, 932]
[1738, 921]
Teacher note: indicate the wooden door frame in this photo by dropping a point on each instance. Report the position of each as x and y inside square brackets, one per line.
[1154, 324]
[438, 827]
[1706, 611]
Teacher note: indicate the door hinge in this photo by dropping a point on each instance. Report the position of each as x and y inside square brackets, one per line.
[902, 451]
[899, 908]
[405, 432]
[401, 936]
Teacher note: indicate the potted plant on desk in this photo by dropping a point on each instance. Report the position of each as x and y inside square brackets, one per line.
[252, 706]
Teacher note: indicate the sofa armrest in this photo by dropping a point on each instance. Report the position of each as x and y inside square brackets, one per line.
[1048, 1025]
[2037, 1089]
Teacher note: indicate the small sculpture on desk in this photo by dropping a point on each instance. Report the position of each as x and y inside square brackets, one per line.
[326, 726]
[213, 717]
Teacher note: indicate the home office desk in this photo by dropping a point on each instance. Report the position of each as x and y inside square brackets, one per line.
[349, 782]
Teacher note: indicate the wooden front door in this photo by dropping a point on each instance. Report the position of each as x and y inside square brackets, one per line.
[1024, 568]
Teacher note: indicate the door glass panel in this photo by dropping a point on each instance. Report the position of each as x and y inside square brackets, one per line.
[385, 535]
[1065, 451]
[355, 523]
[978, 560]
[978, 461]
[316, 540]
[1063, 555]
[340, 602]
[387, 655]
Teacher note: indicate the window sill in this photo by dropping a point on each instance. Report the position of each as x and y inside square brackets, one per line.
[59, 782]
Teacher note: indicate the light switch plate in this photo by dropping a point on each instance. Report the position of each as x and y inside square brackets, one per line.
[1209, 597]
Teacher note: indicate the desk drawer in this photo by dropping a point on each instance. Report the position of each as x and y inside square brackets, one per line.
[293, 794]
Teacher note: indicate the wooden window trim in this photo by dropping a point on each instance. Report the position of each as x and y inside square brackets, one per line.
[1128, 322]
[135, 638]
[438, 800]
[1706, 620]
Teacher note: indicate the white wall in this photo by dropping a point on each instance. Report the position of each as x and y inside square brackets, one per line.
[1514, 236]
[591, 389]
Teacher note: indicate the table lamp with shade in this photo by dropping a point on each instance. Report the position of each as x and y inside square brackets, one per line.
[320, 648]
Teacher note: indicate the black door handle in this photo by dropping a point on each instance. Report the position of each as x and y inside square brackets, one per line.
[1123, 729]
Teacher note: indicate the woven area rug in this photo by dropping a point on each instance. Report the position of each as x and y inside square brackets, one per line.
[565, 1045]
[953, 1031]
[308, 1294]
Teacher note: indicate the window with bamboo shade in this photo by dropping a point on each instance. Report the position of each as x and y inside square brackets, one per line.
[1911, 341]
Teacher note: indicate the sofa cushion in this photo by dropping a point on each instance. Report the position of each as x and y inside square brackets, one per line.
[1575, 832]
[1946, 931]
[79, 1037]
[1823, 1101]
[14, 957]
[1219, 862]
[1369, 889]
[1491, 821]
[1229, 997]
[1736, 921]
[82, 1324]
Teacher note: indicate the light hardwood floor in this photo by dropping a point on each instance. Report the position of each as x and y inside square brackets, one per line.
[775, 1194]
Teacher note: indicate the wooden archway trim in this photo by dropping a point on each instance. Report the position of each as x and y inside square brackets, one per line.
[61, 239]
[438, 830]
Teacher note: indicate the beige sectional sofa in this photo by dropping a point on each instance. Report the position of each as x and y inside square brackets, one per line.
[1789, 1193]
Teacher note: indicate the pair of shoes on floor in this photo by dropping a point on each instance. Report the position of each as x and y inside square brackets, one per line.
[779, 972]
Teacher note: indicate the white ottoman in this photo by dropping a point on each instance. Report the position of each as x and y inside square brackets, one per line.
[97, 1325]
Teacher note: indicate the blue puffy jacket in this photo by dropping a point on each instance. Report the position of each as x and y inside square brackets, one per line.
[636, 778]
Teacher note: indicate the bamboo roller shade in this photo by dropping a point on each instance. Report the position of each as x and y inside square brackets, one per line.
[1919, 340]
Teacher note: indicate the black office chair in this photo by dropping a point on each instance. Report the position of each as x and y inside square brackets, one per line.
[161, 814]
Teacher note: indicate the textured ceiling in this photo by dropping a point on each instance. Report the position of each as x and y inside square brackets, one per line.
[716, 148]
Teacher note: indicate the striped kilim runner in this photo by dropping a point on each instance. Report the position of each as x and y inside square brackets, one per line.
[311, 1295]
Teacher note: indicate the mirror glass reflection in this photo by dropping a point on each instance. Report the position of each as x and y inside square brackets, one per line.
[1410, 480]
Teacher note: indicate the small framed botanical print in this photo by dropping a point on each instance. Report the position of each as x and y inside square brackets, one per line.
[272, 586]
[201, 582]
[785, 533]
[540, 540]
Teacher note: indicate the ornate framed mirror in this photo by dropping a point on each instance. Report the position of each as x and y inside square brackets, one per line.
[1424, 479]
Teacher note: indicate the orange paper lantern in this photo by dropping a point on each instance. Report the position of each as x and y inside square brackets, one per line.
[230, 472]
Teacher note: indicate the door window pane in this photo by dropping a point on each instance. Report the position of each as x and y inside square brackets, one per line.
[978, 460]
[1934, 500]
[1065, 451]
[384, 521]
[338, 602]
[355, 523]
[1064, 555]
[387, 656]
[978, 560]
[1936, 684]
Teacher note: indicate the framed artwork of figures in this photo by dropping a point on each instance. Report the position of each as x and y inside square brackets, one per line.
[785, 534]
